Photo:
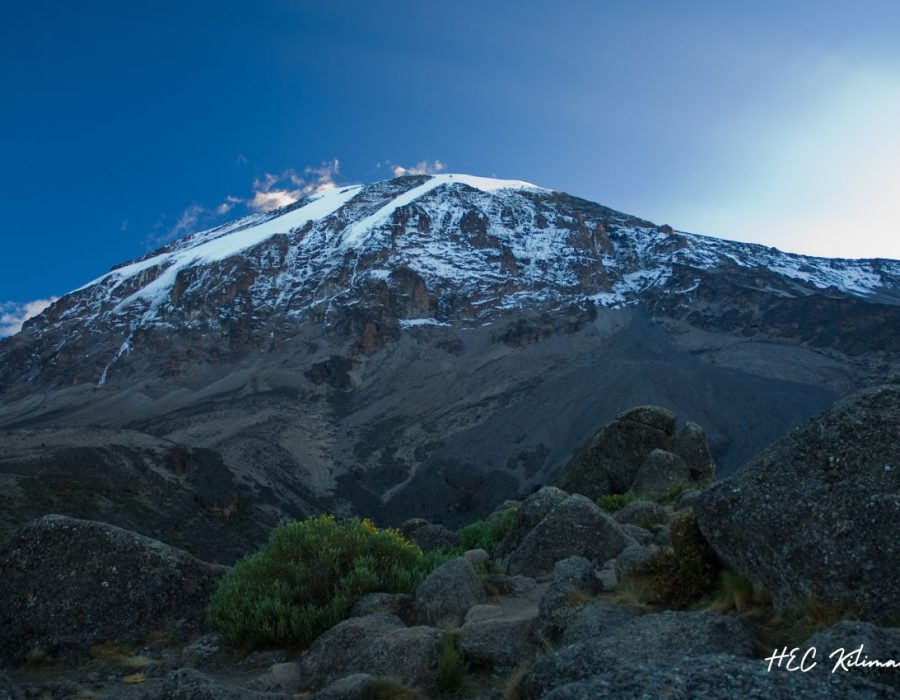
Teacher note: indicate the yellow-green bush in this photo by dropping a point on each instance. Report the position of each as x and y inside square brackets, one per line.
[307, 577]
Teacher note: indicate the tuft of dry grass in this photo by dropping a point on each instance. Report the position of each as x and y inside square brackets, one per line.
[134, 679]
[513, 691]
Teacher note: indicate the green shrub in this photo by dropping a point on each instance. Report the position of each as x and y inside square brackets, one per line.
[612, 502]
[685, 573]
[451, 666]
[487, 534]
[307, 577]
[673, 495]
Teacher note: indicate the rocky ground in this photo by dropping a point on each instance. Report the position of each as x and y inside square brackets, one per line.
[571, 604]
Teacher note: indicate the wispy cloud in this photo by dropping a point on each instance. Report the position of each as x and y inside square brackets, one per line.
[423, 167]
[193, 217]
[273, 191]
[270, 191]
[14, 314]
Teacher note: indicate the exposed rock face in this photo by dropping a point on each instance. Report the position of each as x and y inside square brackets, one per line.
[653, 639]
[577, 526]
[448, 592]
[814, 517]
[639, 452]
[66, 585]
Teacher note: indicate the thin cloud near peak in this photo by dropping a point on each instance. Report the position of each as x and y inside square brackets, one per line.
[14, 314]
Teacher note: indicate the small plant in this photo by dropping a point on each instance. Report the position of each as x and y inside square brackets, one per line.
[735, 592]
[613, 502]
[487, 534]
[685, 573]
[38, 658]
[512, 689]
[673, 495]
[451, 666]
[792, 627]
[308, 576]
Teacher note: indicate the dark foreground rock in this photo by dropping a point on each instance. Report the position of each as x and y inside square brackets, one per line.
[189, 684]
[815, 516]
[336, 650]
[714, 677]
[67, 585]
[9, 690]
[653, 638]
[849, 641]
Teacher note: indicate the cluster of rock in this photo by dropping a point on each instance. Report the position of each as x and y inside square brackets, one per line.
[641, 452]
[538, 615]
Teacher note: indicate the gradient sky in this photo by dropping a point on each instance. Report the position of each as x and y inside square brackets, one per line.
[127, 124]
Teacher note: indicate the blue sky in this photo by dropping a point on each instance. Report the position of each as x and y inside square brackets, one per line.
[126, 124]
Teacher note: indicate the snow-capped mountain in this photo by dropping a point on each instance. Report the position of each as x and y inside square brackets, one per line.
[439, 342]
[456, 249]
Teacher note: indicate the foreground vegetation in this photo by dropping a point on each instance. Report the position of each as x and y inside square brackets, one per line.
[311, 572]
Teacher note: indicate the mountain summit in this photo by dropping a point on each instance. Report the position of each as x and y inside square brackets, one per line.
[433, 344]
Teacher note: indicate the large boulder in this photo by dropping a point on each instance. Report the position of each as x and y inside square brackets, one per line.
[652, 638]
[534, 509]
[660, 474]
[609, 461]
[713, 677]
[67, 585]
[576, 526]
[408, 655]
[839, 646]
[499, 642]
[332, 654]
[691, 445]
[447, 593]
[814, 517]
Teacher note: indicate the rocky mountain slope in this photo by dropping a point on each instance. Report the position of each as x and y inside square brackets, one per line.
[430, 346]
